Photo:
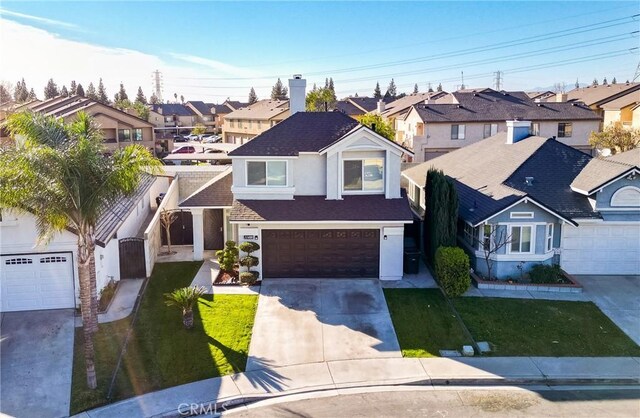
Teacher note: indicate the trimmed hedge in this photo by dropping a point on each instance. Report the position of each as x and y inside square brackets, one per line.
[546, 273]
[452, 270]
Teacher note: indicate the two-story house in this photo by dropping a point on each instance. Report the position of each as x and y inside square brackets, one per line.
[245, 123]
[596, 97]
[533, 199]
[433, 129]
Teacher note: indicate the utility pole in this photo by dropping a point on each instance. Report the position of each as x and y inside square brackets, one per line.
[497, 80]
[157, 84]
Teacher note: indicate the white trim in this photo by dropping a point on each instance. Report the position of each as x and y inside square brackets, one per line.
[363, 191]
[621, 190]
[521, 215]
[532, 239]
[517, 257]
[311, 223]
[620, 209]
[550, 228]
[383, 141]
[266, 174]
[587, 221]
[526, 199]
[625, 174]
[519, 222]
[263, 189]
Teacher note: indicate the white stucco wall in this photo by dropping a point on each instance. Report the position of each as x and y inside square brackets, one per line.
[309, 177]
[152, 238]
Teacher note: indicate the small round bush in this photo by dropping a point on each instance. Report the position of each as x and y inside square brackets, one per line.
[452, 270]
[249, 247]
[248, 277]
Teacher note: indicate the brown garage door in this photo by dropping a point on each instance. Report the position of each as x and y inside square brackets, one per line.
[320, 253]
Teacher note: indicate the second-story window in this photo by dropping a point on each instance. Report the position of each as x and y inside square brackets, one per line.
[124, 134]
[565, 129]
[363, 175]
[457, 131]
[266, 173]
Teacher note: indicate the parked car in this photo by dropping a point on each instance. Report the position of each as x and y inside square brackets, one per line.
[184, 150]
[211, 139]
[178, 138]
[192, 138]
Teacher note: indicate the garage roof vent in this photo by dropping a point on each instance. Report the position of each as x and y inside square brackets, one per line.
[528, 181]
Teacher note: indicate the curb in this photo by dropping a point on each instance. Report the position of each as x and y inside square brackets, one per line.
[232, 403]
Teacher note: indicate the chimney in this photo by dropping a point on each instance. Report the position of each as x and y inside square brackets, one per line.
[561, 97]
[381, 106]
[517, 130]
[297, 93]
[430, 101]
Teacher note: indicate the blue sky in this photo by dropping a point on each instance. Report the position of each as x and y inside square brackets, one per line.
[214, 50]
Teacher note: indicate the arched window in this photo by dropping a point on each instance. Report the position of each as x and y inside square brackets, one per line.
[628, 196]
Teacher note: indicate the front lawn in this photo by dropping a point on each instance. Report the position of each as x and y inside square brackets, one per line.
[161, 353]
[524, 327]
[424, 322]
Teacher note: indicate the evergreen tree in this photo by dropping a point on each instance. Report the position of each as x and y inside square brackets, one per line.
[32, 95]
[79, 90]
[175, 97]
[604, 81]
[51, 90]
[21, 93]
[102, 93]
[73, 88]
[253, 97]
[377, 94]
[181, 99]
[91, 92]
[415, 88]
[5, 96]
[430, 89]
[391, 90]
[140, 98]
[326, 83]
[627, 82]
[614, 81]
[279, 91]
[121, 94]
[439, 88]
[153, 99]
[441, 214]
[331, 86]
[595, 82]
[64, 92]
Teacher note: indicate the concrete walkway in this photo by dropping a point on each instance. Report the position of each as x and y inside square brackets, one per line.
[313, 377]
[122, 303]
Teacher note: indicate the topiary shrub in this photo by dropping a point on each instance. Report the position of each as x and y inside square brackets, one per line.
[248, 247]
[227, 258]
[452, 270]
[249, 277]
[546, 273]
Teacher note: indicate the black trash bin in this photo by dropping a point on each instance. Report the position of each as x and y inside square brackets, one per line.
[411, 261]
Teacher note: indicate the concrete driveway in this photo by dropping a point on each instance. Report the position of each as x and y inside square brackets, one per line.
[618, 297]
[314, 320]
[36, 353]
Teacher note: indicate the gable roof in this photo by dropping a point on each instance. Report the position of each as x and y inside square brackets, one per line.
[490, 105]
[167, 109]
[629, 99]
[235, 105]
[490, 176]
[601, 171]
[214, 193]
[598, 95]
[260, 110]
[201, 107]
[302, 132]
[221, 108]
[114, 214]
[404, 103]
[347, 107]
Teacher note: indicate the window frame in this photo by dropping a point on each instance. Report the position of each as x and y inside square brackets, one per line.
[491, 130]
[363, 190]
[535, 128]
[135, 136]
[266, 177]
[122, 139]
[549, 232]
[457, 130]
[532, 239]
[564, 129]
[521, 215]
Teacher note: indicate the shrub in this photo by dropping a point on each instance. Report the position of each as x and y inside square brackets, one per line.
[546, 273]
[249, 247]
[227, 257]
[248, 277]
[452, 270]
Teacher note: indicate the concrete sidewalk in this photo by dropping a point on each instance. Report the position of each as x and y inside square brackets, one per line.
[313, 377]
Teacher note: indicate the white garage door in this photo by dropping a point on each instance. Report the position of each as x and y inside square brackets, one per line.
[601, 249]
[36, 281]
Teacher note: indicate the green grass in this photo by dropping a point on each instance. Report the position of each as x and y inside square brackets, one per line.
[161, 353]
[424, 322]
[523, 327]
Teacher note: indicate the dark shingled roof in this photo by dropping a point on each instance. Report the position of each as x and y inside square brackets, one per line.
[115, 213]
[318, 208]
[236, 104]
[301, 132]
[221, 109]
[216, 192]
[173, 109]
[345, 106]
[492, 105]
[204, 108]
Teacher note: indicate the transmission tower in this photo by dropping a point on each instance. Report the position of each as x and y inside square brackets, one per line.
[497, 80]
[636, 76]
[157, 84]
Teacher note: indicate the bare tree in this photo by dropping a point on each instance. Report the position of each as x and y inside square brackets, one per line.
[494, 239]
[168, 217]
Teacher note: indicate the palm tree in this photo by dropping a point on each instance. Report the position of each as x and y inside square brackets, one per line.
[184, 298]
[60, 174]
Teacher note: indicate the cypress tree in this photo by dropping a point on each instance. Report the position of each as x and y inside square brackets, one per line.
[73, 87]
[102, 93]
[415, 88]
[91, 92]
[377, 94]
[441, 214]
[140, 98]
[79, 90]
[279, 91]
[121, 94]
[32, 95]
[253, 97]
[64, 92]
[439, 87]
[392, 91]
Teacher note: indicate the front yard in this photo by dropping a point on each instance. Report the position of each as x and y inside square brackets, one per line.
[161, 353]
[425, 324]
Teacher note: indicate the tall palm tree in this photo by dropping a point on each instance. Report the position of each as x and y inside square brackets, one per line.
[60, 174]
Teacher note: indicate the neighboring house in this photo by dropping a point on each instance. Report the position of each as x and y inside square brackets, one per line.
[118, 128]
[541, 96]
[45, 276]
[397, 109]
[624, 110]
[555, 204]
[221, 110]
[436, 128]
[358, 106]
[321, 195]
[204, 114]
[243, 124]
[171, 119]
[597, 96]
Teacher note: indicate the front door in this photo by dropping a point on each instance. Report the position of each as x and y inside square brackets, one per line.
[213, 229]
